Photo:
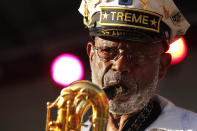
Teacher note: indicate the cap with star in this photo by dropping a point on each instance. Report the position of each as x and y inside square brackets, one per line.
[146, 21]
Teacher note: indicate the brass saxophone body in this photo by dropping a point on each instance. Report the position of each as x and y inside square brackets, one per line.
[72, 104]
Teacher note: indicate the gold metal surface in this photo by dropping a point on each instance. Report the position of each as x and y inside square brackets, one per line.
[73, 103]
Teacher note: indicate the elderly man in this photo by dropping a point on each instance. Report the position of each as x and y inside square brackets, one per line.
[128, 49]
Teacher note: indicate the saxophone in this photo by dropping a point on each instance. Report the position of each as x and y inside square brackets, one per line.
[72, 104]
[75, 100]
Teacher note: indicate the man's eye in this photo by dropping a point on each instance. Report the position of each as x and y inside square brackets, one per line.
[107, 50]
[106, 53]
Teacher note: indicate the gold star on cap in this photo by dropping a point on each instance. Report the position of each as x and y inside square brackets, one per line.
[154, 22]
[105, 15]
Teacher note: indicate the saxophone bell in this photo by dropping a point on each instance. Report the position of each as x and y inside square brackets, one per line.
[72, 104]
[75, 100]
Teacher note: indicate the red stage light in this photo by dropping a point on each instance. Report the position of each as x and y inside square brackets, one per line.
[66, 68]
[178, 50]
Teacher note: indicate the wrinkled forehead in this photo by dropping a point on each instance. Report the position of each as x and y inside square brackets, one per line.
[128, 45]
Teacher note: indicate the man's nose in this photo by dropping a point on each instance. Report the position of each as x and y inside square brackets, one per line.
[121, 64]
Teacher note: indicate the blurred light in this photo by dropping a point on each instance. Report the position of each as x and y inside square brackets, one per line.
[178, 50]
[66, 68]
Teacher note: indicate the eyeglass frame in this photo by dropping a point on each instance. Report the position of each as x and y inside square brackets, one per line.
[129, 56]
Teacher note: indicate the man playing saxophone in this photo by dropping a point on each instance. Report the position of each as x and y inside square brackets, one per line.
[129, 40]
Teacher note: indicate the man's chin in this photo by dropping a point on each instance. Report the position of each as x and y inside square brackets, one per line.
[124, 97]
[130, 105]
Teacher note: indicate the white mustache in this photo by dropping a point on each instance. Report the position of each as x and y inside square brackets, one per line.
[118, 78]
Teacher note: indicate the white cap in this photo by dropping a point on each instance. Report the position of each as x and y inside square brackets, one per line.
[163, 11]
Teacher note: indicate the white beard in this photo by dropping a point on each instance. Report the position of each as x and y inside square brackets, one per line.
[137, 101]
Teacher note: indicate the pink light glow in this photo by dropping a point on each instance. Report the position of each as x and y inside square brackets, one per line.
[66, 68]
[178, 50]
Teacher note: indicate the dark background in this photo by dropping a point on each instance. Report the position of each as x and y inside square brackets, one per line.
[34, 32]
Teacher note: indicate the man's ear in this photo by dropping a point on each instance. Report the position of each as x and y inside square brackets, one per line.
[89, 50]
[165, 62]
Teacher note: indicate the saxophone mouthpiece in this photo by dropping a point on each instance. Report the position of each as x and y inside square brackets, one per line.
[113, 91]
